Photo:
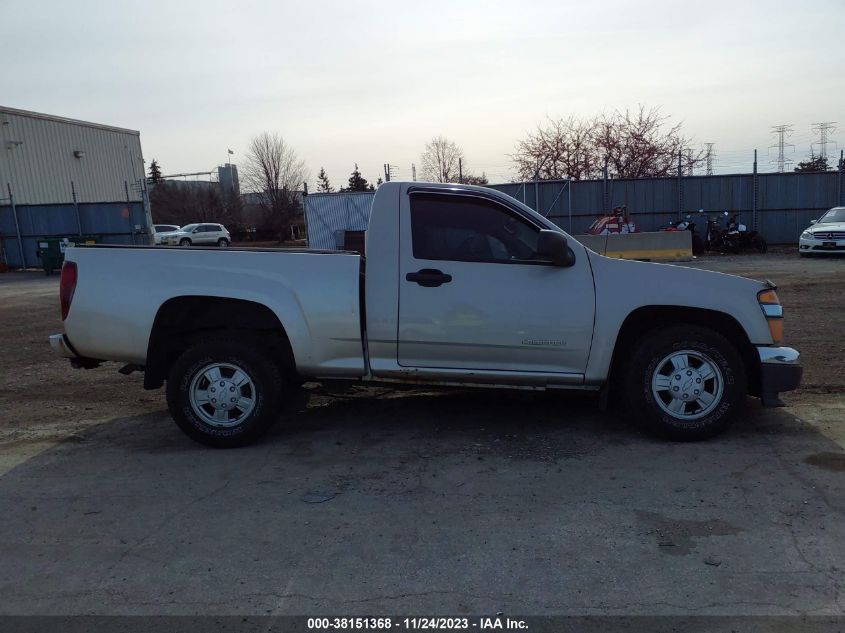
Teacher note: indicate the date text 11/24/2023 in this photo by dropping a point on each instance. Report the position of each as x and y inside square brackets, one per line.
[416, 623]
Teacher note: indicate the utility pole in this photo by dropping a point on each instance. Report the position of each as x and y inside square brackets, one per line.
[824, 129]
[709, 155]
[460, 170]
[413, 172]
[783, 132]
[755, 191]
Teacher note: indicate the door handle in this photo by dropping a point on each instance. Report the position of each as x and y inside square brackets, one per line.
[429, 277]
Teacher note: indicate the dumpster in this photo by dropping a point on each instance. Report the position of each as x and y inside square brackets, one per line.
[51, 250]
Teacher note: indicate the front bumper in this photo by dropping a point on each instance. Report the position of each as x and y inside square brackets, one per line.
[780, 370]
[820, 245]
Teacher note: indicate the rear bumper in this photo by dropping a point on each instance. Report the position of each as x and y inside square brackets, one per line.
[61, 346]
[780, 370]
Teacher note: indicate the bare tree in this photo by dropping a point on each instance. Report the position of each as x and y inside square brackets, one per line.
[639, 145]
[630, 145]
[558, 149]
[440, 160]
[275, 173]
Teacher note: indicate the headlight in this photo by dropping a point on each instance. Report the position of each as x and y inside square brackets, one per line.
[807, 235]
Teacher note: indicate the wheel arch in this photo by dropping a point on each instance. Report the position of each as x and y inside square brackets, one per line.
[646, 319]
[184, 319]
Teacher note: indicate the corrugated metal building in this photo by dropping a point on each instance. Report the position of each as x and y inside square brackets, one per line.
[328, 216]
[60, 176]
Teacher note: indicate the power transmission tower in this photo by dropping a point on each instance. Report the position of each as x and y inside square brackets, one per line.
[824, 130]
[783, 132]
[389, 171]
[709, 155]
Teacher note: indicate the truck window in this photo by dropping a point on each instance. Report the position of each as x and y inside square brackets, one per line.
[469, 229]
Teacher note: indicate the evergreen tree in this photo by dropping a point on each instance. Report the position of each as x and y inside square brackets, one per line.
[155, 173]
[323, 184]
[379, 181]
[357, 182]
[814, 163]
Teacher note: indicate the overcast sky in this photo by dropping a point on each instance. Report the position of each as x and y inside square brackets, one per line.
[372, 82]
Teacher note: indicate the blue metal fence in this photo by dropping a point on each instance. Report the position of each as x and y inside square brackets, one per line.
[780, 205]
[113, 222]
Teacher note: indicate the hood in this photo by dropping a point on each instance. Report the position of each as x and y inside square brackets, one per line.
[826, 227]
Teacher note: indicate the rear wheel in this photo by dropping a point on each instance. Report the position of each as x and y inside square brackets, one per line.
[760, 244]
[685, 382]
[224, 392]
[222, 242]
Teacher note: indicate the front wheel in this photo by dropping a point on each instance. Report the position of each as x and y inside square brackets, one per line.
[184, 242]
[685, 382]
[224, 392]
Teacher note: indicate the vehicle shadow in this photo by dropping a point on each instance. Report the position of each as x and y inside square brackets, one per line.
[519, 425]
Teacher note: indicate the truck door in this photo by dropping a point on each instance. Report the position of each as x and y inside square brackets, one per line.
[473, 295]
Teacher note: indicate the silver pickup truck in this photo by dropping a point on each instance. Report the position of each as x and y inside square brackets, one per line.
[460, 286]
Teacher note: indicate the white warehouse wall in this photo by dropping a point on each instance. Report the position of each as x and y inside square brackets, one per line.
[37, 160]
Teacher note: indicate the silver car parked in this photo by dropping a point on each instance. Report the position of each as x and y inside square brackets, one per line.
[207, 234]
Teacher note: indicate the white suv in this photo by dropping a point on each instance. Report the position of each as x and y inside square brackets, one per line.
[199, 234]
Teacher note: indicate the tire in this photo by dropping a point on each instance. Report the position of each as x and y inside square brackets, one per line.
[760, 244]
[185, 242]
[222, 242]
[706, 352]
[256, 399]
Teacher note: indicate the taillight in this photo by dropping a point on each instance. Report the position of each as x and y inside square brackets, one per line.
[67, 286]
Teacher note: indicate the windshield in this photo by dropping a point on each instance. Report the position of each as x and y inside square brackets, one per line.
[834, 215]
[189, 227]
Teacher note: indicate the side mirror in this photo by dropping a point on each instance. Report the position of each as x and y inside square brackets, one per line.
[552, 246]
[813, 221]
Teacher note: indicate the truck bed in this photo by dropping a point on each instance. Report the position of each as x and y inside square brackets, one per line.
[121, 289]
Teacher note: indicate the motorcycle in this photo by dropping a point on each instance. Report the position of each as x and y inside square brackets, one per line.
[744, 238]
[718, 239]
[687, 225]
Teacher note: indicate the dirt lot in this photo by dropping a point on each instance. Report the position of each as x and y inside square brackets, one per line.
[39, 393]
[420, 503]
